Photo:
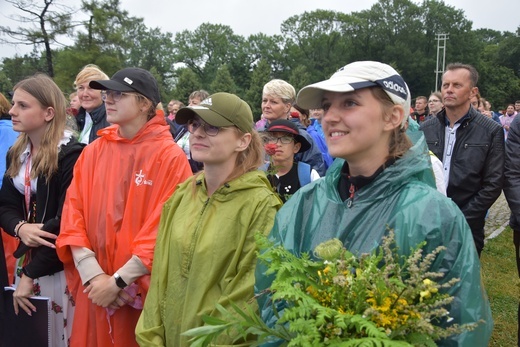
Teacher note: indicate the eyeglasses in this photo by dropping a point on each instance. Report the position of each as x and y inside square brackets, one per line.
[434, 100]
[115, 95]
[210, 130]
[283, 139]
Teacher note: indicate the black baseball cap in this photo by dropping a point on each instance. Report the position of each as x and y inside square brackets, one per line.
[131, 79]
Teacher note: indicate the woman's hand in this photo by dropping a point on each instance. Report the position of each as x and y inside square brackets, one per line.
[103, 290]
[21, 296]
[32, 235]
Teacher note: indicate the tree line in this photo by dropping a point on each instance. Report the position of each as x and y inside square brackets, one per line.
[311, 46]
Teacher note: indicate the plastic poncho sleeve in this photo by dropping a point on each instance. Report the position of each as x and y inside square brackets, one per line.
[74, 211]
[446, 226]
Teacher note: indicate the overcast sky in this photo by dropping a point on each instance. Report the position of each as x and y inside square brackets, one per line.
[251, 17]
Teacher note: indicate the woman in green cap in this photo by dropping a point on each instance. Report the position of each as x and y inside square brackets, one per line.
[205, 252]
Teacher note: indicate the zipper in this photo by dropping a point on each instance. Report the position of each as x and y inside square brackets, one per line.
[351, 190]
[186, 266]
[467, 145]
[46, 204]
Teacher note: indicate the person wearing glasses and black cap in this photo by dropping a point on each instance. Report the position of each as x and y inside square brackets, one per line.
[206, 251]
[112, 209]
[282, 141]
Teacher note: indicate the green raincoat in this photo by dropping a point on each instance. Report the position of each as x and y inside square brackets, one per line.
[401, 199]
[205, 254]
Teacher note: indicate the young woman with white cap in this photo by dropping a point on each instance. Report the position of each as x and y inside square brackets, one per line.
[384, 181]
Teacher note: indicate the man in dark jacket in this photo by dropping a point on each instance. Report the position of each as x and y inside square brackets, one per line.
[512, 190]
[471, 147]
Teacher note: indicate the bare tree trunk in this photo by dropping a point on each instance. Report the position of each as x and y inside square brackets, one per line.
[45, 35]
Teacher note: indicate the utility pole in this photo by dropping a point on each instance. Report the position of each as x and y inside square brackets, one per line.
[441, 60]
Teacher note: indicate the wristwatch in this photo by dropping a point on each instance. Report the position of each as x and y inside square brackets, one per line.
[119, 281]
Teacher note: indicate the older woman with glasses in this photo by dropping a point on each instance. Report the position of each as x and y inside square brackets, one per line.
[206, 252]
[112, 210]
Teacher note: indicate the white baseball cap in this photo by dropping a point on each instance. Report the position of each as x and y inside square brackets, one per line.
[359, 75]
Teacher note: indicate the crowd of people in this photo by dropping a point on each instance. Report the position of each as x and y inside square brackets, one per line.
[137, 222]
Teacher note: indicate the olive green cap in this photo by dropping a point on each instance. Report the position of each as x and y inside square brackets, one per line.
[220, 110]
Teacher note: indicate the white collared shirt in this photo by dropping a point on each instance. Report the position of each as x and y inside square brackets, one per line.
[19, 180]
[450, 137]
[85, 133]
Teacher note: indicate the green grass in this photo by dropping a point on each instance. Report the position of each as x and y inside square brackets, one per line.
[501, 281]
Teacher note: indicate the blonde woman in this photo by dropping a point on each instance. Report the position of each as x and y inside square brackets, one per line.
[277, 99]
[91, 116]
[39, 171]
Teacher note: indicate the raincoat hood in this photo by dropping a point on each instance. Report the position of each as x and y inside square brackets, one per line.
[249, 181]
[413, 166]
[155, 127]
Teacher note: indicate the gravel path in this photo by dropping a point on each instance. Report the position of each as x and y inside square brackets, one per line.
[498, 218]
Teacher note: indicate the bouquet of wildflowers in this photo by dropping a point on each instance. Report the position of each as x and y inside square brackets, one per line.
[338, 299]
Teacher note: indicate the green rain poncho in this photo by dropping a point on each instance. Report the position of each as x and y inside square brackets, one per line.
[402, 197]
[205, 254]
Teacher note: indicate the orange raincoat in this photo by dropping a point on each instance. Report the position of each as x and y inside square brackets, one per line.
[113, 207]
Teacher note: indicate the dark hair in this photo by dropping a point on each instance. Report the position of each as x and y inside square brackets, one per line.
[304, 119]
[473, 73]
